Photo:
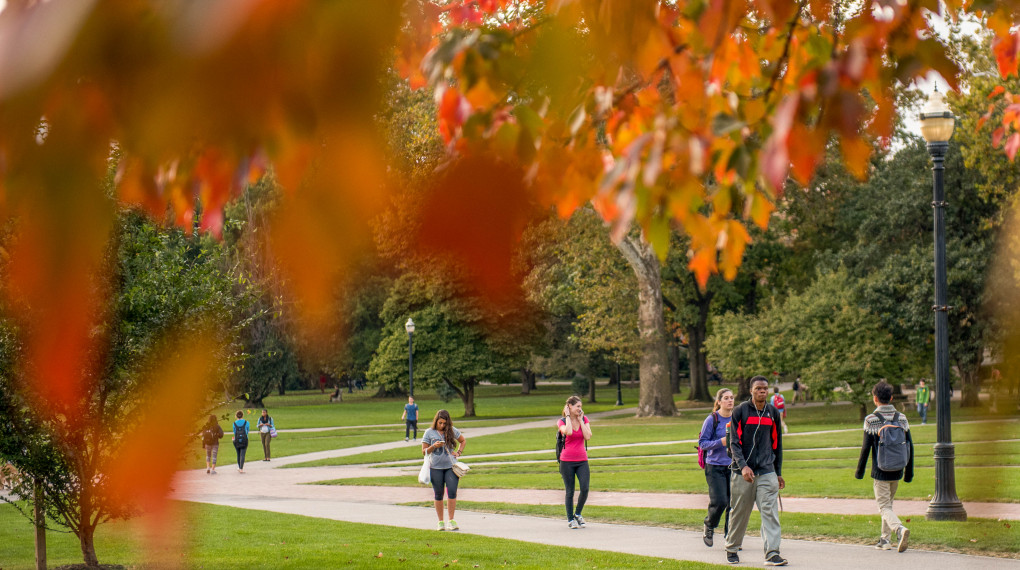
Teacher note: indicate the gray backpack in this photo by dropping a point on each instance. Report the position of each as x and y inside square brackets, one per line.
[893, 450]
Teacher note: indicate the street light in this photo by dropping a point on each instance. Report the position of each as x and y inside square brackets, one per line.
[937, 124]
[619, 396]
[409, 327]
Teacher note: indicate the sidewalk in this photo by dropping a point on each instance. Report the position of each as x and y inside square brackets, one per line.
[264, 487]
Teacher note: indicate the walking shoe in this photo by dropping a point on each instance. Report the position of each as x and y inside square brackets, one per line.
[405, 439]
[207, 470]
[579, 519]
[213, 472]
[883, 544]
[732, 558]
[573, 523]
[452, 525]
[708, 535]
[442, 526]
[902, 534]
[775, 560]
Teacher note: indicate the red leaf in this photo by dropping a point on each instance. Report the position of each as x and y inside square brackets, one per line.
[997, 136]
[1012, 144]
[998, 89]
[1006, 49]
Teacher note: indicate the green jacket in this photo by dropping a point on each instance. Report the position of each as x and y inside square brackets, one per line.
[923, 395]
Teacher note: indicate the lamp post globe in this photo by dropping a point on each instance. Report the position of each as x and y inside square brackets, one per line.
[937, 123]
[409, 327]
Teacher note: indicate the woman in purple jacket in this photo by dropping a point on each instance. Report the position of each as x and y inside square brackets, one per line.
[717, 462]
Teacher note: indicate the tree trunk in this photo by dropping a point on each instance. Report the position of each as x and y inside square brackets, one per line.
[88, 546]
[656, 398]
[591, 388]
[533, 380]
[526, 380]
[743, 389]
[674, 367]
[864, 412]
[39, 499]
[283, 389]
[971, 380]
[696, 347]
[468, 396]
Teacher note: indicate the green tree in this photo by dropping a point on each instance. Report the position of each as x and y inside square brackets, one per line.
[163, 282]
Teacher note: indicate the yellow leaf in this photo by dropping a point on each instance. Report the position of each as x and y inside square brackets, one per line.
[481, 95]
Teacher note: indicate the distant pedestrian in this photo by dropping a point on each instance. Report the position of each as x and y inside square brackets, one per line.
[410, 417]
[212, 433]
[779, 403]
[796, 391]
[717, 463]
[922, 398]
[240, 438]
[576, 430]
[265, 426]
[322, 383]
[756, 445]
[440, 443]
[887, 441]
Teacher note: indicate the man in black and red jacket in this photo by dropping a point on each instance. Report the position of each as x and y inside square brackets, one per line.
[756, 443]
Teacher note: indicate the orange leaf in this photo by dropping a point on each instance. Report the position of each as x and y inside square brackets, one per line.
[1012, 144]
[856, 154]
[998, 90]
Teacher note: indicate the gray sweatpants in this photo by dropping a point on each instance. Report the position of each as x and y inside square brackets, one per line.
[743, 495]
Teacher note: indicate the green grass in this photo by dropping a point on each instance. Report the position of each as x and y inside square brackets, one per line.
[225, 537]
[975, 536]
[994, 484]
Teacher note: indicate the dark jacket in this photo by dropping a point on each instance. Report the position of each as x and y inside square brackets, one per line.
[870, 448]
[755, 439]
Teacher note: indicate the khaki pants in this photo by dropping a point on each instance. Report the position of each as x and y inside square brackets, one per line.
[764, 492]
[884, 493]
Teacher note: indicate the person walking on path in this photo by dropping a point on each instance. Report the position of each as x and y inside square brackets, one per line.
[410, 417]
[266, 427]
[922, 398]
[576, 431]
[887, 441]
[240, 438]
[778, 402]
[212, 433]
[756, 444]
[796, 391]
[439, 443]
[717, 462]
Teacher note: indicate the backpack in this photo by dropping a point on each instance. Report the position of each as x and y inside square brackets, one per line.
[240, 436]
[893, 450]
[779, 402]
[701, 452]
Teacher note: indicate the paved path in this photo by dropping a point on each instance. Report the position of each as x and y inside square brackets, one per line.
[263, 487]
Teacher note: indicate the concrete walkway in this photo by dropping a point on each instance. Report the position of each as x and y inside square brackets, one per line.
[263, 487]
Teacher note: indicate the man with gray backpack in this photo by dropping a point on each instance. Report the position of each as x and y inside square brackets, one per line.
[887, 441]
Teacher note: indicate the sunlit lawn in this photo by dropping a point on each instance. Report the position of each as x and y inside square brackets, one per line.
[225, 537]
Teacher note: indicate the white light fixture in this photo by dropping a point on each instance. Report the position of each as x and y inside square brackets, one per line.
[937, 121]
[409, 326]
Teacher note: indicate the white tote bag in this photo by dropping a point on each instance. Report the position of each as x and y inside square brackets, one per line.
[425, 475]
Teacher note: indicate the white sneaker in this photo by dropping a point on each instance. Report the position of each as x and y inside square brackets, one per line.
[903, 534]
[883, 544]
[573, 523]
[579, 519]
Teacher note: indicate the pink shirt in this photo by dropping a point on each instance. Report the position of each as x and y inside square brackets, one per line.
[574, 449]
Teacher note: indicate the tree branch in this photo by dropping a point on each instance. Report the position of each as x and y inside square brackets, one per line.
[785, 56]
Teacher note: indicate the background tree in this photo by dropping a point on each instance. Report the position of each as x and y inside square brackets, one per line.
[162, 281]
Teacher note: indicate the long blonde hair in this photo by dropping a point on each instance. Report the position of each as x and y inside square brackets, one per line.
[718, 398]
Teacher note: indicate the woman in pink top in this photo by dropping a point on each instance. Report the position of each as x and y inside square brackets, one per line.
[574, 458]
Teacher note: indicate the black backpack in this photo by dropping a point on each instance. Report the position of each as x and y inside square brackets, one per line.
[240, 436]
[893, 450]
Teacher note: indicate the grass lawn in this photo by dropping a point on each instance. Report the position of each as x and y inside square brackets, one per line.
[975, 536]
[225, 537]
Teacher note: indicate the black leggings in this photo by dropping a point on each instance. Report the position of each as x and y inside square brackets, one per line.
[718, 478]
[441, 477]
[240, 456]
[408, 426]
[569, 469]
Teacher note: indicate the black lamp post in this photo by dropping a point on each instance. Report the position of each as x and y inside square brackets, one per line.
[619, 382]
[937, 124]
[409, 327]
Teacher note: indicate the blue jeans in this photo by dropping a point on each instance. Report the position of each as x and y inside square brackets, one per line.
[922, 410]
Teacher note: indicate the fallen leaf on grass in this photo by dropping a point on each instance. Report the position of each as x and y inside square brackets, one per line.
[379, 555]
